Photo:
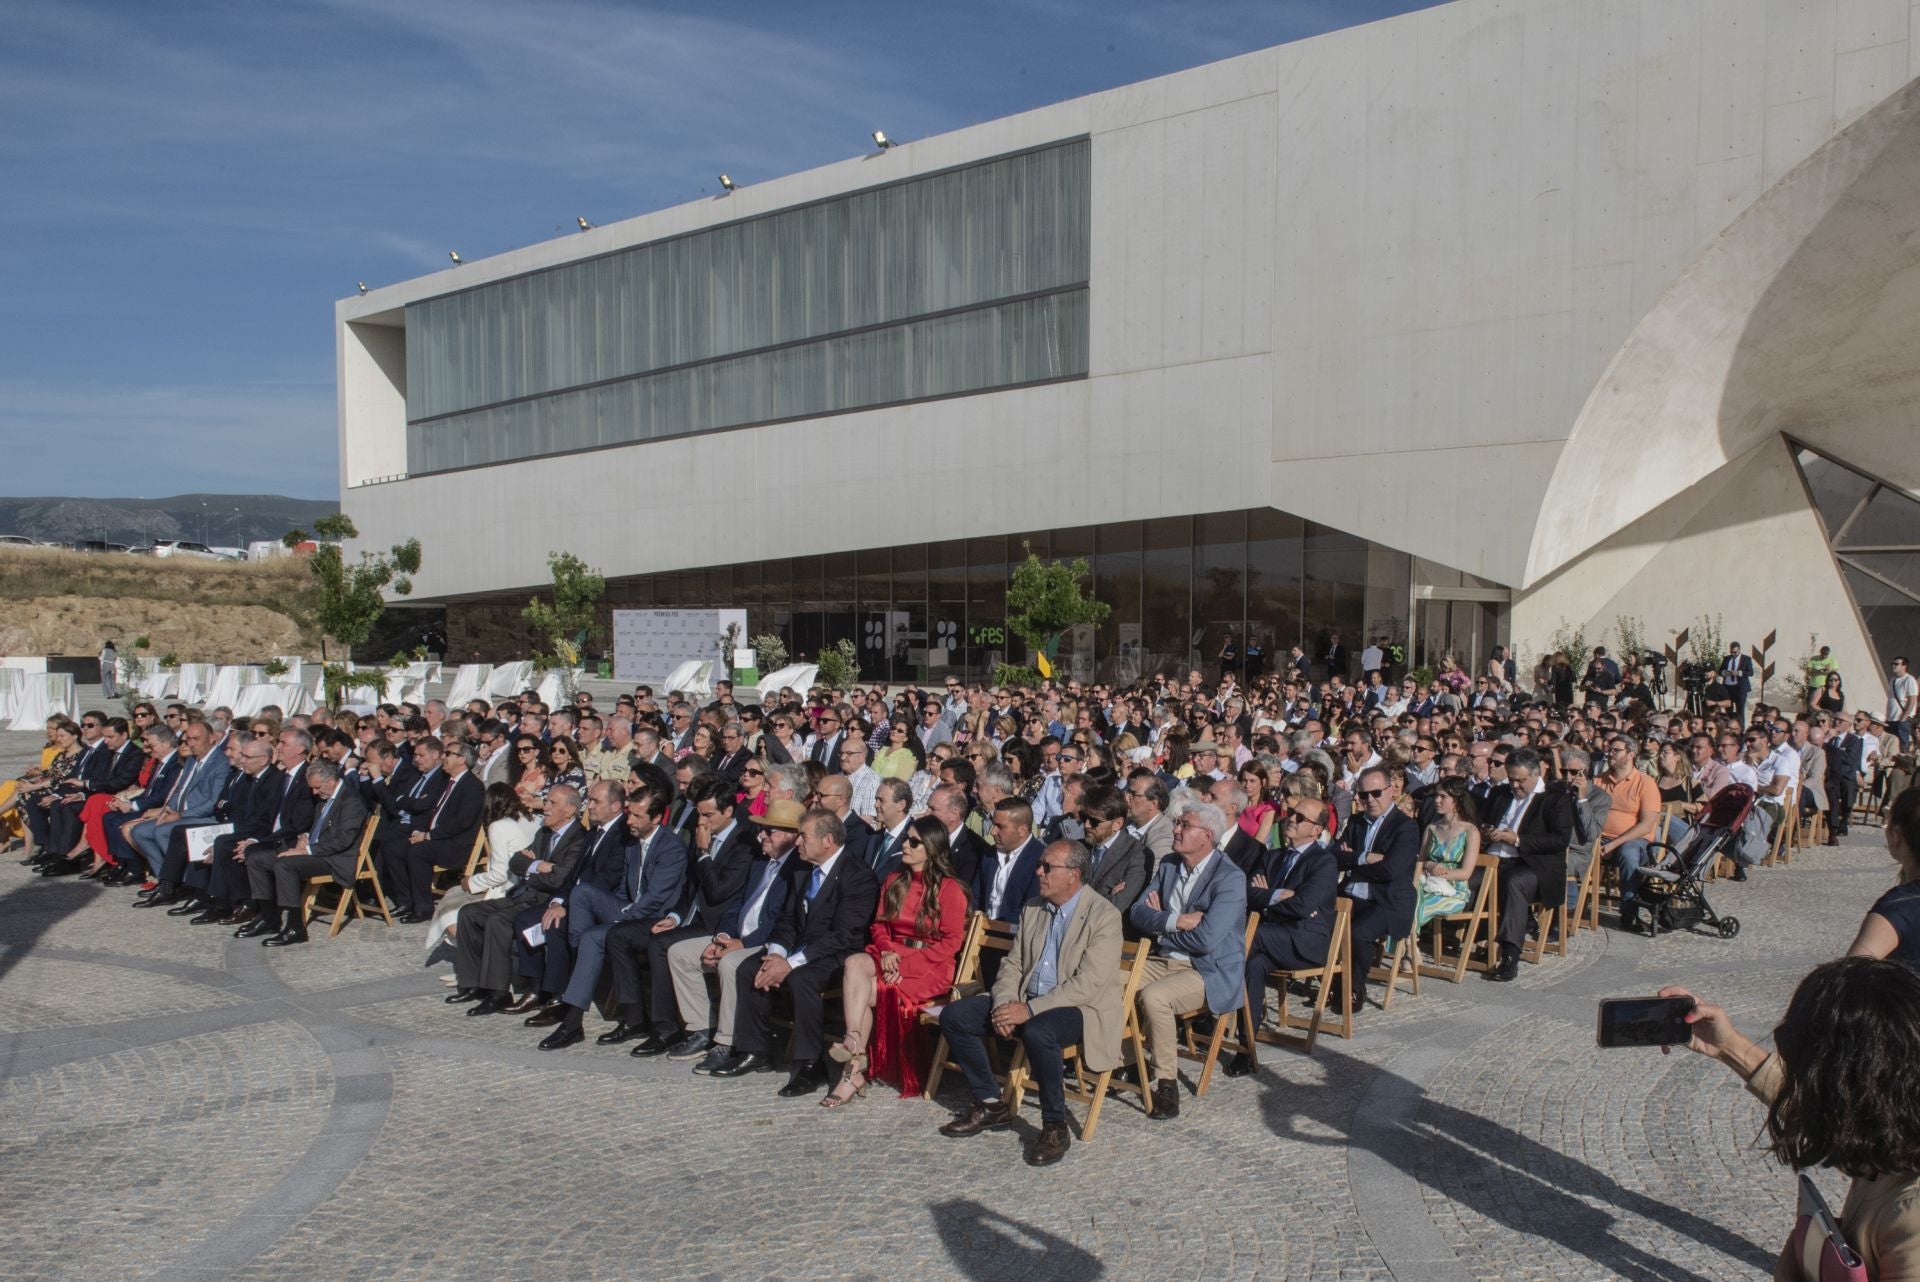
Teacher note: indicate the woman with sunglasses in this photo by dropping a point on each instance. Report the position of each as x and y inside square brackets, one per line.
[567, 764]
[753, 786]
[913, 949]
[903, 757]
[530, 772]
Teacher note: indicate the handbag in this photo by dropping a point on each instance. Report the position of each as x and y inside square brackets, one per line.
[1816, 1245]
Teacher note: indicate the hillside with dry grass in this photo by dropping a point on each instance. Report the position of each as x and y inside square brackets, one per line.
[54, 602]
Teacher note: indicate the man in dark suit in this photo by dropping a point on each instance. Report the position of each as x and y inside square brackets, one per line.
[1736, 674]
[893, 810]
[948, 804]
[724, 848]
[483, 936]
[1529, 824]
[330, 846]
[835, 794]
[411, 807]
[163, 744]
[826, 743]
[652, 890]
[734, 754]
[1007, 879]
[821, 924]
[1292, 891]
[1119, 862]
[1843, 778]
[1377, 854]
[704, 970]
[248, 807]
[444, 837]
[543, 968]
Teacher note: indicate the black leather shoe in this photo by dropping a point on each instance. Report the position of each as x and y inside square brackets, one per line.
[256, 928]
[529, 1003]
[491, 1004]
[286, 938]
[1241, 1065]
[620, 1032]
[157, 899]
[649, 1046]
[461, 995]
[186, 908]
[1050, 1145]
[546, 1018]
[412, 919]
[692, 1046]
[213, 915]
[98, 873]
[806, 1079]
[63, 868]
[1509, 968]
[561, 1038]
[981, 1117]
[1739, 873]
[243, 914]
[718, 1057]
[1166, 1101]
[742, 1063]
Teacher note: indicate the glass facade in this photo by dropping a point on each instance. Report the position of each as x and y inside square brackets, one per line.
[961, 281]
[1874, 531]
[1178, 586]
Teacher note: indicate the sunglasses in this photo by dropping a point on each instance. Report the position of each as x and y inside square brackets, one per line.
[1047, 867]
[525, 751]
[1368, 794]
[912, 843]
[751, 773]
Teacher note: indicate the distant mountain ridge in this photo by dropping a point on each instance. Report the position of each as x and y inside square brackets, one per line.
[222, 520]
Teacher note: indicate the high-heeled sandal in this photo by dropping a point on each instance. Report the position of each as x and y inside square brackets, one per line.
[855, 1066]
[842, 1053]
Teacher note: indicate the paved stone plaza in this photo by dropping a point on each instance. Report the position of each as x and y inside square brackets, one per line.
[180, 1104]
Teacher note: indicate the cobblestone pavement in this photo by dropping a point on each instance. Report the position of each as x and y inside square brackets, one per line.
[177, 1104]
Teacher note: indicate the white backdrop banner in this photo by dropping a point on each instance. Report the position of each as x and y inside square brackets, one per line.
[648, 644]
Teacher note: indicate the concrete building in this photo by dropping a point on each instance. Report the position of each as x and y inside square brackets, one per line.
[1456, 326]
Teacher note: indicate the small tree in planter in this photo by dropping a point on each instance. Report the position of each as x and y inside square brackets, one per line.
[561, 629]
[349, 596]
[839, 664]
[1045, 600]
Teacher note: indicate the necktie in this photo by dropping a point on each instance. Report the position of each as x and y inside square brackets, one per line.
[445, 797]
[321, 822]
[813, 883]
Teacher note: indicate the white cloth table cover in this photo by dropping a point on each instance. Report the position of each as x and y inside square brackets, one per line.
[404, 687]
[226, 683]
[43, 695]
[291, 699]
[469, 683]
[159, 685]
[798, 677]
[11, 680]
[509, 678]
[194, 678]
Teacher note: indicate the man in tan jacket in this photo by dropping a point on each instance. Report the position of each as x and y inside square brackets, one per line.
[1059, 986]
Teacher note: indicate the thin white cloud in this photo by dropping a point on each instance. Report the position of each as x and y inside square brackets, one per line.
[257, 437]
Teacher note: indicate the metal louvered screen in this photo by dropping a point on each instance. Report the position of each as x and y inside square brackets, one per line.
[957, 282]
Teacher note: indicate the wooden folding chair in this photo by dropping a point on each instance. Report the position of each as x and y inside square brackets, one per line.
[1777, 852]
[1339, 960]
[1243, 1044]
[1133, 964]
[1586, 904]
[477, 858]
[363, 870]
[1404, 960]
[1816, 831]
[983, 934]
[1479, 923]
[1404, 953]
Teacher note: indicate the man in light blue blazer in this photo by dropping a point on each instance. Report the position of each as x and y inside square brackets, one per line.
[653, 886]
[194, 794]
[1195, 911]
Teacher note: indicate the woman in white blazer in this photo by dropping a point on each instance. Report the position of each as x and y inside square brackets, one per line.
[510, 830]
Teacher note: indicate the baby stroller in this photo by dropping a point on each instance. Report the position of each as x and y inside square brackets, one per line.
[1673, 885]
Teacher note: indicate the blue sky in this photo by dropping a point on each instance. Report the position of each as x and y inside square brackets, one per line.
[191, 185]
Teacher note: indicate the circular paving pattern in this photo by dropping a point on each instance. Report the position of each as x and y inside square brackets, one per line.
[178, 1104]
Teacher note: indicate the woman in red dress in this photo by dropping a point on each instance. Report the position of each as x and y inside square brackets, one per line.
[910, 959]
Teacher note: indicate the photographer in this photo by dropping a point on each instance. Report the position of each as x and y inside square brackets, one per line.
[1839, 1092]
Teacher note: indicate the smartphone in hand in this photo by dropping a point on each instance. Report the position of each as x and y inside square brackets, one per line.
[1644, 1021]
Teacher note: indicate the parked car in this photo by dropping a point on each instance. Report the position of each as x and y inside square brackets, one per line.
[182, 547]
[230, 554]
[16, 541]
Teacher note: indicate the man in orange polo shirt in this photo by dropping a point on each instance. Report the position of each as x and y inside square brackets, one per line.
[1631, 822]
